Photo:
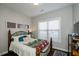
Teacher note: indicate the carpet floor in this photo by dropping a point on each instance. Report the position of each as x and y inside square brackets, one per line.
[59, 53]
[10, 53]
[53, 53]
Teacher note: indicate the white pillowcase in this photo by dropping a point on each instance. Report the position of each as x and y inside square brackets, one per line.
[16, 38]
[29, 36]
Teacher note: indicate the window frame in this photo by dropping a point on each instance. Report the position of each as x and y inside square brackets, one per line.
[59, 30]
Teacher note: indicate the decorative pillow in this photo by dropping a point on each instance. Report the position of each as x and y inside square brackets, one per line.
[29, 36]
[21, 38]
[39, 39]
[29, 44]
[26, 39]
[16, 38]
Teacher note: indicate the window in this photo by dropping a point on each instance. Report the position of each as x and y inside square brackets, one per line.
[49, 29]
[42, 30]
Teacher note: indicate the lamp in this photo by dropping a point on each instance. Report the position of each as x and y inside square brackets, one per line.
[36, 3]
[29, 31]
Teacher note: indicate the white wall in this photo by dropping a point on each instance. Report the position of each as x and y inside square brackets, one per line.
[76, 12]
[7, 14]
[66, 25]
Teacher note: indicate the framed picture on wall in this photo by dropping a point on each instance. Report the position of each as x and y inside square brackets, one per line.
[22, 26]
[11, 25]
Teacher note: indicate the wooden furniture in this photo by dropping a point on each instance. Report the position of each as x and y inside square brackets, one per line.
[69, 44]
[50, 44]
[9, 39]
[72, 41]
[75, 51]
[38, 51]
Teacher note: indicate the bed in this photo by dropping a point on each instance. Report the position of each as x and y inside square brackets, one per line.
[30, 47]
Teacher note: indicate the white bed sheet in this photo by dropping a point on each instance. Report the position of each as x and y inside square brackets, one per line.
[24, 50]
[21, 49]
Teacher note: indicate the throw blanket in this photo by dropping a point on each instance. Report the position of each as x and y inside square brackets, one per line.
[41, 44]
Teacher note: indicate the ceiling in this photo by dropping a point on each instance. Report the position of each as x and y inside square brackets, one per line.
[31, 10]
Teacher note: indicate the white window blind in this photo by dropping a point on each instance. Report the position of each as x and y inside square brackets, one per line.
[42, 30]
[49, 29]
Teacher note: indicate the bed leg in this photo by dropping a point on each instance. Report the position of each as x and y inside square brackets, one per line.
[37, 51]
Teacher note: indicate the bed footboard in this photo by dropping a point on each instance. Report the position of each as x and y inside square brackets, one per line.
[38, 51]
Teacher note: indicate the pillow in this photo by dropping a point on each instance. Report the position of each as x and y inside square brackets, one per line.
[39, 39]
[29, 44]
[28, 36]
[16, 38]
[21, 38]
[26, 39]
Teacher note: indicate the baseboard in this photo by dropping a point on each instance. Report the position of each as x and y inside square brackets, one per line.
[60, 49]
[3, 53]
